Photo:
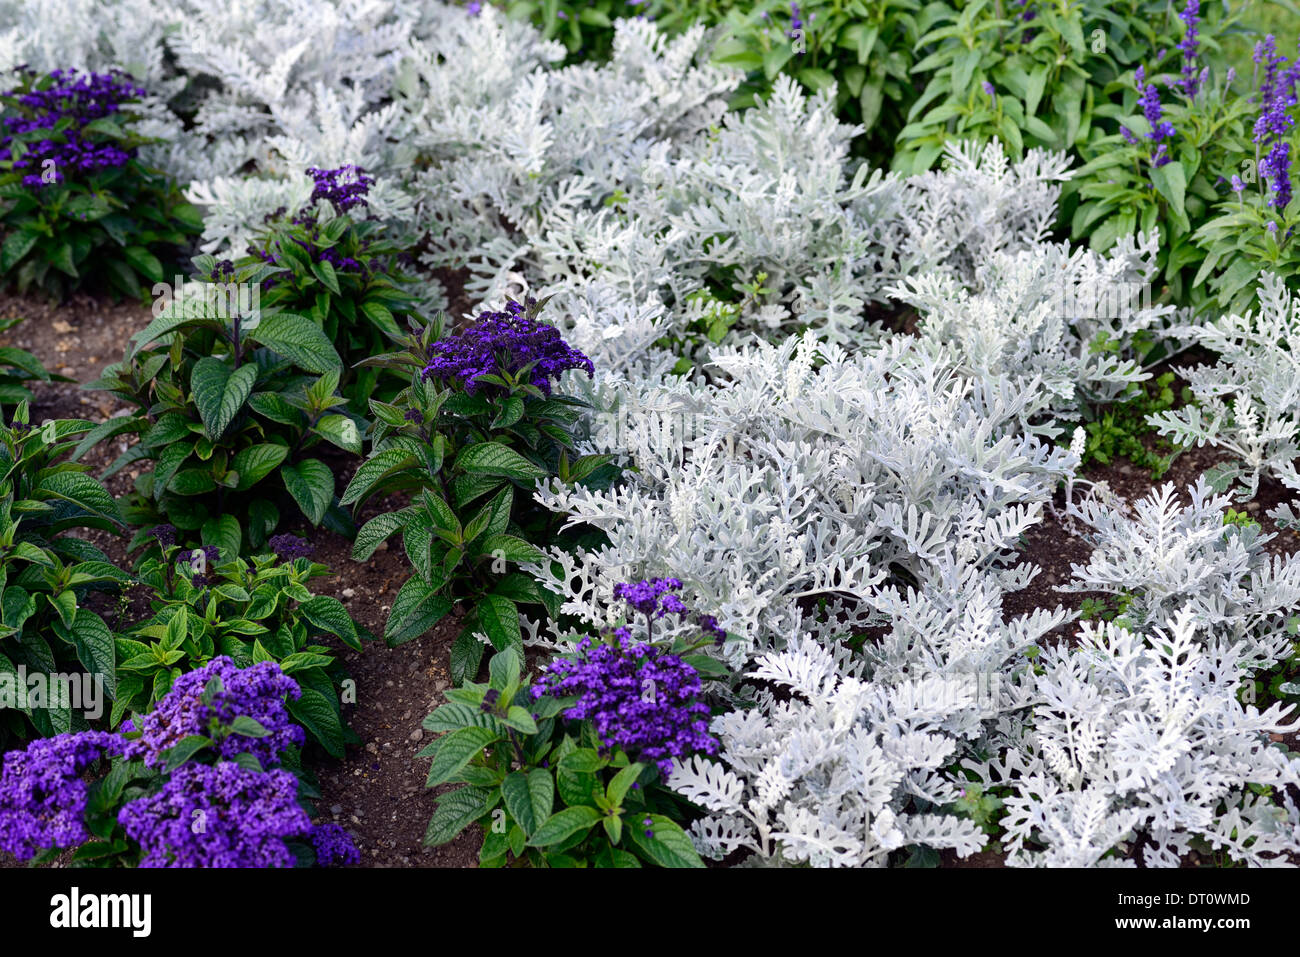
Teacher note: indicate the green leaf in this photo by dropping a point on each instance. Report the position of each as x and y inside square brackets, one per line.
[372, 470]
[416, 609]
[510, 548]
[317, 714]
[95, 647]
[81, 490]
[669, 847]
[529, 797]
[564, 824]
[219, 392]
[1170, 182]
[455, 812]
[499, 618]
[16, 245]
[144, 262]
[456, 750]
[466, 657]
[225, 533]
[257, 462]
[328, 614]
[311, 483]
[377, 530]
[182, 751]
[299, 340]
[324, 271]
[493, 458]
[341, 431]
[248, 727]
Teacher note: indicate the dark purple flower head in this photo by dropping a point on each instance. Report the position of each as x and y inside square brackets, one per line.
[652, 596]
[257, 692]
[344, 188]
[636, 697]
[291, 546]
[75, 100]
[333, 846]
[42, 795]
[414, 415]
[510, 341]
[166, 535]
[217, 815]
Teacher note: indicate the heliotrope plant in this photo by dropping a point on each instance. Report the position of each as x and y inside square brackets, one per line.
[601, 728]
[330, 265]
[77, 205]
[47, 574]
[205, 780]
[231, 401]
[247, 610]
[478, 422]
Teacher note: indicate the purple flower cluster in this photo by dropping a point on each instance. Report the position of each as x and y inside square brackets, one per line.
[1277, 94]
[1161, 129]
[219, 815]
[257, 692]
[343, 188]
[1189, 45]
[165, 534]
[291, 546]
[511, 341]
[333, 846]
[654, 598]
[80, 98]
[796, 20]
[637, 698]
[42, 796]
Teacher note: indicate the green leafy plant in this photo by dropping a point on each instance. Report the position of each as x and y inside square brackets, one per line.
[867, 50]
[46, 575]
[1121, 430]
[1031, 73]
[514, 759]
[77, 205]
[341, 273]
[228, 409]
[464, 451]
[585, 29]
[251, 610]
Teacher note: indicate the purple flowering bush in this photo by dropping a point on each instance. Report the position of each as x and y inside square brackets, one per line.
[600, 729]
[548, 791]
[479, 423]
[1202, 155]
[240, 620]
[328, 263]
[204, 780]
[77, 205]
